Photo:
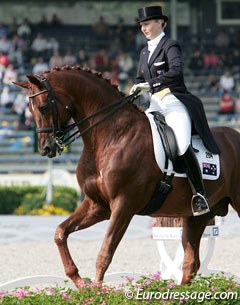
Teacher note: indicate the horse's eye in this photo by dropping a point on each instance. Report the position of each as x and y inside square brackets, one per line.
[44, 109]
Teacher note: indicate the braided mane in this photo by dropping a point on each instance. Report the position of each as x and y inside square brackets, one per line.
[88, 70]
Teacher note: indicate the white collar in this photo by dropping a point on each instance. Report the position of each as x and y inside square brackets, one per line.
[154, 42]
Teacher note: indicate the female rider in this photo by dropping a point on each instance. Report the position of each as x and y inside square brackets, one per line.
[160, 71]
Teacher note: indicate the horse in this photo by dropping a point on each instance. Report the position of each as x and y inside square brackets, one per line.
[117, 170]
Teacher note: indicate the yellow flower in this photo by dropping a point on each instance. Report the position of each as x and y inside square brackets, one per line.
[47, 210]
[19, 210]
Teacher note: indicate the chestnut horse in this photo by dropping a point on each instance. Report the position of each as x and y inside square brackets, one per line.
[117, 170]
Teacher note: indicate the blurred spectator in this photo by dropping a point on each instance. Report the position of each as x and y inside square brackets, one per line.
[129, 43]
[55, 19]
[222, 39]
[114, 49]
[226, 82]
[5, 44]
[18, 47]
[13, 26]
[196, 61]
[19, 106]
[3, 30]
[125, 62]
[140, 41]
[125, 66]
[52, 45]
[101, 60]
[10, 75]
[82, 58]
[226, 104]
[101, 32]
[43, 21]
[55, 60]
[223, 60]
[4, 61]
[234, 38]
[28, 119]
[40, 66]
[211, 86]
[69, 58]
[6, 98]
[92, 64]
[120, 31]
[101, 29]
[24, 29]
[235, 60]
[39, 46]
[210, 60]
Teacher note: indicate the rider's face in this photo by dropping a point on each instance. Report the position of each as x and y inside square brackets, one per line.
[152, 28]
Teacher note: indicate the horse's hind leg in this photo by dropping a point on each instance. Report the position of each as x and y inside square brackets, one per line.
[85, 216]
[193, 228]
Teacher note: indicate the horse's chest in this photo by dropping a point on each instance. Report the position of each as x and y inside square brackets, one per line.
[93, 186]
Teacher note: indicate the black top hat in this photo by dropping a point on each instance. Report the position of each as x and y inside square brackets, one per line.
[151, 12]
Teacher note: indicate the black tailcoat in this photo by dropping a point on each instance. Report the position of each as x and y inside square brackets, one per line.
[165, 70]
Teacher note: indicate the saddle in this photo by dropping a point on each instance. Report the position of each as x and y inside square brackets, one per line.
[167, 135]
[164, 186]
[210, 163]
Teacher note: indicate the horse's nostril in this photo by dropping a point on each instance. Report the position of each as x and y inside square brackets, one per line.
[49, 149]
[46, 150]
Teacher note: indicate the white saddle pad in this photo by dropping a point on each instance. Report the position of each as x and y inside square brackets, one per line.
[209, 163]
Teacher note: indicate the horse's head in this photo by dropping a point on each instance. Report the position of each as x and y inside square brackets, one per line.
[49, 113]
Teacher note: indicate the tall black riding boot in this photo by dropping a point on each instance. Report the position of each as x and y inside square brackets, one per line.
[199, 202]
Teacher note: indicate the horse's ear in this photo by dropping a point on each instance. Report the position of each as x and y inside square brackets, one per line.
[34, 80]
[24, 85]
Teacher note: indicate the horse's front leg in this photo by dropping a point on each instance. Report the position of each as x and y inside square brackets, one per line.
[193, 228]
[119, 221]
[85, 216]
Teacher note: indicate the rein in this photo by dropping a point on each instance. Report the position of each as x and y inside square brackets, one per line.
[119, 103]
[58, 133]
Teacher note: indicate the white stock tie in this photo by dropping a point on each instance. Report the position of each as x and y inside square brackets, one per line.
[151, 47]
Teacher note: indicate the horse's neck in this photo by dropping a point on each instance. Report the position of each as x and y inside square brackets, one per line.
[92, 103]
[92, 94]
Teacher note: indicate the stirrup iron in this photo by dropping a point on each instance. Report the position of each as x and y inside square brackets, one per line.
[194, 205]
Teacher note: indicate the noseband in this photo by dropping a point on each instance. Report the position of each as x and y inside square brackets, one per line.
[58, 135]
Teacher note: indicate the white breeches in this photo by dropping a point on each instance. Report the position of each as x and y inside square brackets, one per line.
[176, 116]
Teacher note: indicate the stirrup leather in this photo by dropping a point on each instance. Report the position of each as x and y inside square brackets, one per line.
[194, 205]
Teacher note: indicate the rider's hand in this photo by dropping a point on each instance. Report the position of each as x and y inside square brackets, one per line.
[139, 87]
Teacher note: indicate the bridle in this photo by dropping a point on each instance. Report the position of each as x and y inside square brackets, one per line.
[59, 134]
[55, 129]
